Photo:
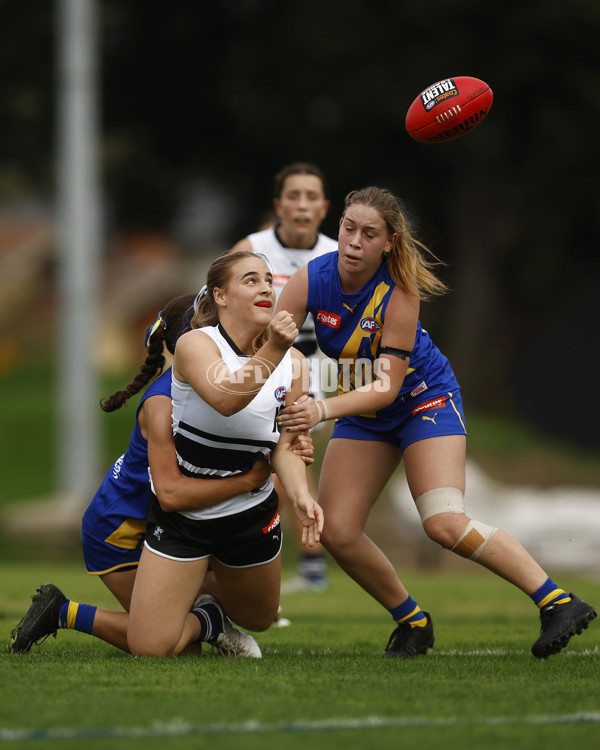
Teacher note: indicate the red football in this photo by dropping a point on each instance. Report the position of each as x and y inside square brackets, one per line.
[448, 109]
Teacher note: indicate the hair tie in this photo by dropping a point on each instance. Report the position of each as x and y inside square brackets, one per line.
[202, 293]
[153, 328]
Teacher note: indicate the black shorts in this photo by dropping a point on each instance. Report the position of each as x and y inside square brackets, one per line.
[242, 540]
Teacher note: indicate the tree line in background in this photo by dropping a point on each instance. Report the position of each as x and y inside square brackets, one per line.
[203, 102]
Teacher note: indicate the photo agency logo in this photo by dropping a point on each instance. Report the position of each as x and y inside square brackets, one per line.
[245, 380]
[321, 374]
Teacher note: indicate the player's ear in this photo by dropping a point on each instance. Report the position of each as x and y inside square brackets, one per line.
[219, 296]
[392, 239]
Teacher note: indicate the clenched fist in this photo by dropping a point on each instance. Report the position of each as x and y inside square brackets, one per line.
[282, 330]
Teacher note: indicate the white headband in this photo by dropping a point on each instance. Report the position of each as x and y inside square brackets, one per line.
[202, 293]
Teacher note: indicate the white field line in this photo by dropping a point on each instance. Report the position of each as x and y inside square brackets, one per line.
[595, 651]
[504, 652]
[182, 728]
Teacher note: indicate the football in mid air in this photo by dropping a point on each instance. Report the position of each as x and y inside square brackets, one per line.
[448, 109]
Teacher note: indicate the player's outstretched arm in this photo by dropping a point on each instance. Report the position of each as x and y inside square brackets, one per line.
[291, 470]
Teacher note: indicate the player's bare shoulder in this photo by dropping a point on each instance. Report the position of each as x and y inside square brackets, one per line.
[294, 295]
[193, 346]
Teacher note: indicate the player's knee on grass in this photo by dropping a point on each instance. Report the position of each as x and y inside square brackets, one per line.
[143, 642]
[262, 623]
[257, 619]
[150, 651]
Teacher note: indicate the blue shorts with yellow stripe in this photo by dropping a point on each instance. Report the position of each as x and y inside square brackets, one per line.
[111, 541]
[437, 415]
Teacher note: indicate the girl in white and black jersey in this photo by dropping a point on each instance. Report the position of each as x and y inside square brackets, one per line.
[110, 540]
[231, 375]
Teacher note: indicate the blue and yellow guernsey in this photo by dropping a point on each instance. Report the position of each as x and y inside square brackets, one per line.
[114, 523]
[349, 329]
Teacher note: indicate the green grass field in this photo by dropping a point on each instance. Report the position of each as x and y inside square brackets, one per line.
[321, 681]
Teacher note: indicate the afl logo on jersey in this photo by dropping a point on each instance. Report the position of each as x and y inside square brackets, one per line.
[280, 393]
[370, 325]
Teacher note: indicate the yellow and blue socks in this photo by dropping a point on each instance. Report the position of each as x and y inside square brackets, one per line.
[409, 612]
[549, 593]
[74, 616]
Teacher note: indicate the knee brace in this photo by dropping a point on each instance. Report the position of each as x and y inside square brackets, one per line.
[474, 539]
[440, 500]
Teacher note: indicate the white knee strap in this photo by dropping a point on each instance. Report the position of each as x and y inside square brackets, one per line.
[474, 539]
[440, 500]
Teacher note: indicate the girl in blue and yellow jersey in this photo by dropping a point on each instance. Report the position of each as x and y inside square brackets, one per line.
[399, 400]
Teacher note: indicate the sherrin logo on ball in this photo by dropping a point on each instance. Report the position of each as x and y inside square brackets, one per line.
[448, 109]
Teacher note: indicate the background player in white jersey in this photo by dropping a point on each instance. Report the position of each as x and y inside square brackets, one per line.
[300, 205]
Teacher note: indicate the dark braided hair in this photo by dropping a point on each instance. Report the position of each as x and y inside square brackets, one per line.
[171, 323]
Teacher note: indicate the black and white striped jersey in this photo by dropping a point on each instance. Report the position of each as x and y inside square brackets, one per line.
[210, 445]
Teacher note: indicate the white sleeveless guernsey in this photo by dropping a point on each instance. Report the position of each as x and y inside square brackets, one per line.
[211, 445]
[285, 261]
